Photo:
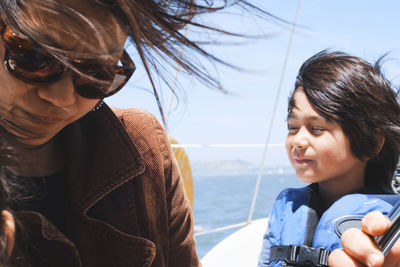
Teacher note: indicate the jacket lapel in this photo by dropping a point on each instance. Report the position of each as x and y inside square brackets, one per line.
[101, 158]
[47, 246]
[103, 163]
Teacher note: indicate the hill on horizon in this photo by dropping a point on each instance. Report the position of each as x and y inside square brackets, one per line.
[234, 167]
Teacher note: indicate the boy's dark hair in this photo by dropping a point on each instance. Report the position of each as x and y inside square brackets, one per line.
[356, 94]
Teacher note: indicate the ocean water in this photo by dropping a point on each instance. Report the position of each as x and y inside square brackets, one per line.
[224, 200]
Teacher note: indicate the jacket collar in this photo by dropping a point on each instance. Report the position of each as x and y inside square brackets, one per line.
[101, 157]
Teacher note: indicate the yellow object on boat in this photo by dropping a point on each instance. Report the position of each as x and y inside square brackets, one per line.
[186, 171]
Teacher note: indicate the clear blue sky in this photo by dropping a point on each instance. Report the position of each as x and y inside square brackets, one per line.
[363, 28]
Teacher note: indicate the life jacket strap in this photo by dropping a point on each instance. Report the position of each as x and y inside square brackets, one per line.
[300, 255]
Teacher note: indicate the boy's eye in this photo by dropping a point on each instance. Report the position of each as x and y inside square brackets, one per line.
[317, 130]
[292, 129]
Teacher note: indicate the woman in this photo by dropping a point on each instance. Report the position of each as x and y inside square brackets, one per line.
[107, 188]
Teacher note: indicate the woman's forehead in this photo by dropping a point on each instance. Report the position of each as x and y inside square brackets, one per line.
[81, 26]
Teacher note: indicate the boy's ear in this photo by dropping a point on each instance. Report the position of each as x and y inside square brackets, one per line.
[381, 142]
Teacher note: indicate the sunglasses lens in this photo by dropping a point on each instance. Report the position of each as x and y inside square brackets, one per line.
[32, 70]
[27, 61]
[105, 87]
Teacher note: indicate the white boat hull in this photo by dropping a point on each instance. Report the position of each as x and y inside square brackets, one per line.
[240, 249]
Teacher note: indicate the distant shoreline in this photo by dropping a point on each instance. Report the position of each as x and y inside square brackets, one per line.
[235, 168]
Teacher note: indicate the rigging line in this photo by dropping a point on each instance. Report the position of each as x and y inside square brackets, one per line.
[221, 229]
[178, 70]
[273, 115]
[224, 145]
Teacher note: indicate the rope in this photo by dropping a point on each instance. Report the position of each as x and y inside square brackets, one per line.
[253, 203]
[221, 229]
[224, 145]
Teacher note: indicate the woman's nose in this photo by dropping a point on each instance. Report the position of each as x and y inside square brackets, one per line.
[60, 93]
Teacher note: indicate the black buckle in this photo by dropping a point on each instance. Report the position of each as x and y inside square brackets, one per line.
[304, 255]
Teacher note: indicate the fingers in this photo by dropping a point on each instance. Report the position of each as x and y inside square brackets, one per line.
[359, 249]
[375, 223]
[9, 229]
[360, 246]
[339, 258]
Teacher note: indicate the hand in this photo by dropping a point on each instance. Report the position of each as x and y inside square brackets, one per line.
[360, 250]
[9, 230]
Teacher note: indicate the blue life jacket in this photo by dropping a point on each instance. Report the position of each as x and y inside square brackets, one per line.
[297, 237]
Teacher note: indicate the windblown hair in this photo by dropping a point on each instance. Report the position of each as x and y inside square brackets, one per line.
[10, 192]
[155, 27]
[356, 94]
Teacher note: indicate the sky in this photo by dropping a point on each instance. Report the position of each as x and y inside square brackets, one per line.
[363, 28]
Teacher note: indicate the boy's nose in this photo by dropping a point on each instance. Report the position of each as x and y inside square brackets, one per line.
[301, 140]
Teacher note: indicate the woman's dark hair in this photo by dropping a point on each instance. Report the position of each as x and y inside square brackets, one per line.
[155, 28]
[10, 192]
[356, 94]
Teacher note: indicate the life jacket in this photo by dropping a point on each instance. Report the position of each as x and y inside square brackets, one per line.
[296, 237]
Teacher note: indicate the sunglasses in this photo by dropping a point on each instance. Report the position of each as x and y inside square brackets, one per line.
[29, 62]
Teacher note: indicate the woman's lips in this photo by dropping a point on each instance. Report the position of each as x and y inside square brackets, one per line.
[43, 120]
[25, 125]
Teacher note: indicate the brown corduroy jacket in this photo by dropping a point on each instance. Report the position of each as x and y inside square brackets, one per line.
[126, 199]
